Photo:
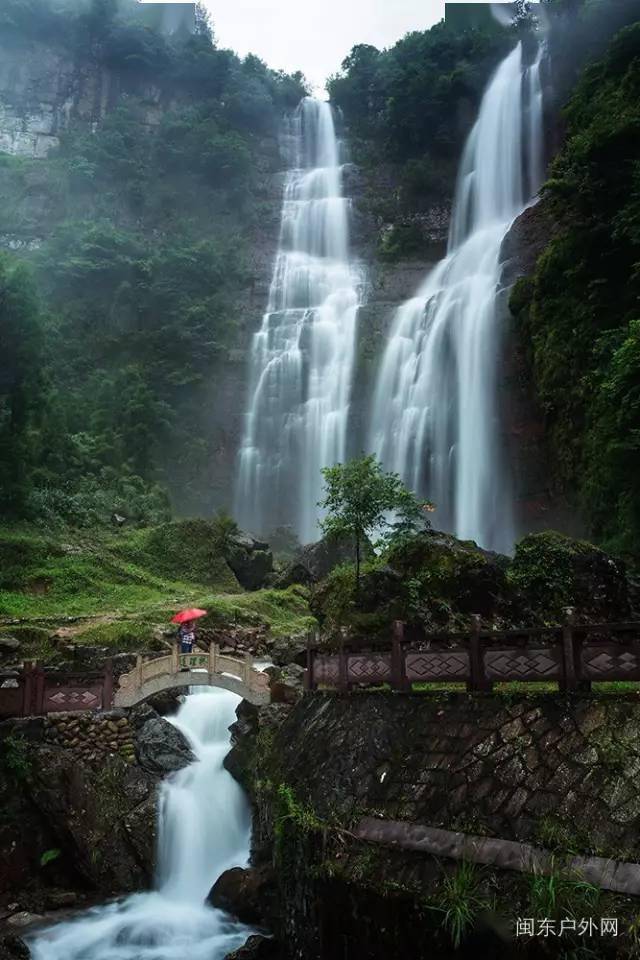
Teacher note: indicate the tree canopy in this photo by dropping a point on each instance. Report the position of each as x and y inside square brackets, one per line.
[363, 501]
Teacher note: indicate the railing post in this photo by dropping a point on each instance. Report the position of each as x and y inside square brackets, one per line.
[107, 684]
[248, 667]
[569, 677]
[213, 658]
[39, 700]
[138, 671]
[27, 688]
[478, 680]
[308, 679]
[175, 658]
[398, 666]
[343, 675]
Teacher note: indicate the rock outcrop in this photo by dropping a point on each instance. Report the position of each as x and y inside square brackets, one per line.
[434, 581]
[315, 561]
[85, 788]
[13, 947]
[103, 820]
[257, 947]
[250, 559]
[248, 894]
[160, 747]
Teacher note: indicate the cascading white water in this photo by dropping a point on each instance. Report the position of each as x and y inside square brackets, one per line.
[302, 356]
[204, 829]
[435, 419]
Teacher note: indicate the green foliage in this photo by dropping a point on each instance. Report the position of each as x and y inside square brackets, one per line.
[408, 110]
[49, 856]
[187, 550]
[579, 312]
[362, 500]
[290, 814]
[406, 98]
[562, 894]
[16, 760]
[130, 583]
[544, 567]
[461, 900]
[224, 529]
[400, 241]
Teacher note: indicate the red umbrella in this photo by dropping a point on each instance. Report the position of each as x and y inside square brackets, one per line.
[185, 615]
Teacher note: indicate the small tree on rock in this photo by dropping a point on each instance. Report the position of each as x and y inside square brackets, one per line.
[362, 501]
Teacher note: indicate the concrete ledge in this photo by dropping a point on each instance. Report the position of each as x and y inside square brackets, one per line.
[615, 875]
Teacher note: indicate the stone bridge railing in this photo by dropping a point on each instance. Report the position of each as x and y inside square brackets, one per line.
[36, 691]
[192, 669]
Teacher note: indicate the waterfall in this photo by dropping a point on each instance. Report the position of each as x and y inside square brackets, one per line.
[204, 828]
[302, 356]
[435, 418]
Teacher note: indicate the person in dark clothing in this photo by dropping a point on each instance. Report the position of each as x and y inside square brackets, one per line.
[187, 636]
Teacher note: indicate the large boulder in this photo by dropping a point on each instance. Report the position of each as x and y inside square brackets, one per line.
[287, 684]
[239, 760]
[250, 559]
[167, 702]
[160, 747]
[431, 579]
[88, 810]
[13, 947]
[315, 561]
[552, 572]
[284, 650]
[248, 894]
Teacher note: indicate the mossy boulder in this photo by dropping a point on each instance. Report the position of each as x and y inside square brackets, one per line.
[456, 573]
[434, 581]
[551, 572]
[431, 579]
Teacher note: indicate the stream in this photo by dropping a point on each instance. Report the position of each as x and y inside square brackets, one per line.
[204, 829]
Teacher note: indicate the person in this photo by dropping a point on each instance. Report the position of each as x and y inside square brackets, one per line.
[187, 636]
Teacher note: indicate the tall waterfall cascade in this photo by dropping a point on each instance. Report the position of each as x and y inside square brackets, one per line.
[302, 356]
[204, 829]
[435, 417]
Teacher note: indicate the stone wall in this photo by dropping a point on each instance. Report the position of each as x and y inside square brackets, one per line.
[499, 766]
[92, 737]
[562, 773]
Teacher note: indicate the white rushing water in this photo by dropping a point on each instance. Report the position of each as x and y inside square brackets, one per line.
[302, 356]
[204, 829]
[435, 418]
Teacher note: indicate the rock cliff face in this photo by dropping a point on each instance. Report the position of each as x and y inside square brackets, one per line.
[85, 794]
[42, 92]
[538, 505]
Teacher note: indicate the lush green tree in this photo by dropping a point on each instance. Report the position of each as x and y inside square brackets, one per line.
[418, 96]
[363, 501]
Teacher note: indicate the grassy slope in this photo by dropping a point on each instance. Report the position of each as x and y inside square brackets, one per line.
[127, 583]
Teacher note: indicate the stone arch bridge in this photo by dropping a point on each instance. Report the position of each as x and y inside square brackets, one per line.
[36, 691]
[239, 675]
